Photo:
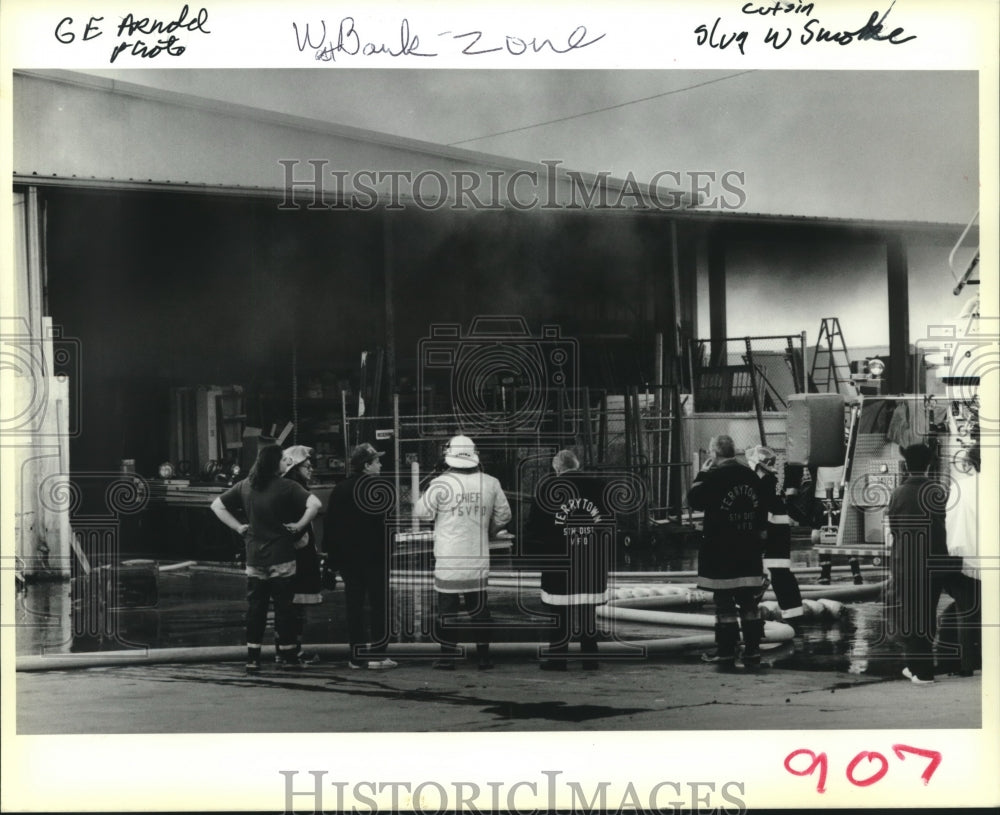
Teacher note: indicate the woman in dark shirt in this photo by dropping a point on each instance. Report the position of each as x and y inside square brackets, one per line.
[276, 511]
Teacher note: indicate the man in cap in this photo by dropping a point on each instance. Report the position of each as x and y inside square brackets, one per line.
[468, 507]
[357, 539]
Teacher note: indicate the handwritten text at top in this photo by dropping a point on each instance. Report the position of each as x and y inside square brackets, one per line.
[721, 35]
[351, 38]
[168, 40]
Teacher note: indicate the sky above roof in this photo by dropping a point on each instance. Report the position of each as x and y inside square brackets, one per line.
[879, 145]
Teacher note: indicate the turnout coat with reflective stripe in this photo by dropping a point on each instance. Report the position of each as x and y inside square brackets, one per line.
[778, 546]
[571, 533]
[731, 497]
[465, 507]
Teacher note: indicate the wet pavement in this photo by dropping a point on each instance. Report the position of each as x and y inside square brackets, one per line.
[204, 605]
[649, 694]
[169, 659]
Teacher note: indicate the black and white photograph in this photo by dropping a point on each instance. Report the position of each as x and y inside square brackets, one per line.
[514, 407]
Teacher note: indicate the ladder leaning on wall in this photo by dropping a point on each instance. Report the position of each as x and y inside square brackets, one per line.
[831, 363]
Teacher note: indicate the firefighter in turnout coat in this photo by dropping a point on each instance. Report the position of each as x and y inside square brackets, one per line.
[467, 507]
[571, 531]
[730, 563]
[778, 545]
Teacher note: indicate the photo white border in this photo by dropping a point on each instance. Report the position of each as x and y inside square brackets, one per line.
[239, 772]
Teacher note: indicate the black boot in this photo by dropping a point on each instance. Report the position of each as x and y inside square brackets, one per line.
[856, 571]
[483, 652]
[449, 656]
[797, 624]
[288, 659]
[253, 661]
[825, 572]
[727, 636]
[753, 633]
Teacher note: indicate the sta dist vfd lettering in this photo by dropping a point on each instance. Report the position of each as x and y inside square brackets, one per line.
[734, 504]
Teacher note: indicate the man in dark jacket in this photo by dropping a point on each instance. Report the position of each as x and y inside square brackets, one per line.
[573, 533]
[730, 560]
[357, 539]
[920, 566]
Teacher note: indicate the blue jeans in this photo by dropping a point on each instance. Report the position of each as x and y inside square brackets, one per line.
[261, 592]
[359, 586]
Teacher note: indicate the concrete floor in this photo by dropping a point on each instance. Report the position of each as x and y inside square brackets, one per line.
[655, 694]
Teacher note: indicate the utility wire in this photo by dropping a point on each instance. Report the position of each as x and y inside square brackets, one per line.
[601, 110]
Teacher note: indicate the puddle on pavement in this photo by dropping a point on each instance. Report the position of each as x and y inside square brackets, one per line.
[555, 711]
[855, 643]
[559, 711]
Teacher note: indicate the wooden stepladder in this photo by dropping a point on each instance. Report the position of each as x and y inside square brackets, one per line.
[831, 365]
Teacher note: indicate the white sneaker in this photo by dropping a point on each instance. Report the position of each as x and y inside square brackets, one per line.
[381, 664]
[916, 680]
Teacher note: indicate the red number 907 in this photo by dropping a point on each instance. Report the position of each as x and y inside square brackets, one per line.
[856, 775]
